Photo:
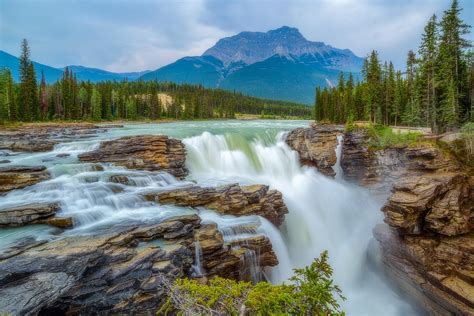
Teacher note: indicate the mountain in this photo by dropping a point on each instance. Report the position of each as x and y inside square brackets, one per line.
[53, 74]
[9, 61]
[278, 64]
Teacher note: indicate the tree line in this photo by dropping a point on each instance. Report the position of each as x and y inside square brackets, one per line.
[70, 99]
[435, 90]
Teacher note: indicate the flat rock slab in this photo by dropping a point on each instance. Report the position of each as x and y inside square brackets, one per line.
[43, 137]
[146, 152]
[35, 213]
[19, 177]
[231, 199]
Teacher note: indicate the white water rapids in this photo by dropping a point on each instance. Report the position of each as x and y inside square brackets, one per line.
[323, 214]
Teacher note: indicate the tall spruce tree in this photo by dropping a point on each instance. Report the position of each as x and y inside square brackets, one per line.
[96, 104]
[43, 98]
[452, 72]
[428, 56]
[27, 96]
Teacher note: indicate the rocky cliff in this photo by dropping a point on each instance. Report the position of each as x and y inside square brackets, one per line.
[428, 245]
[316, 146]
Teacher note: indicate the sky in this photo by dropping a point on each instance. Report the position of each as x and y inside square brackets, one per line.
[135, 35]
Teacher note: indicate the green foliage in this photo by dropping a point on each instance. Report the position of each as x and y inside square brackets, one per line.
[467, 135]
[382, 137]
[309, 292]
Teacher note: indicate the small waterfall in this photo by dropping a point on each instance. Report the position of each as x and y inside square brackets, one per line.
[236, 229]
[337, 167]
[197, 266]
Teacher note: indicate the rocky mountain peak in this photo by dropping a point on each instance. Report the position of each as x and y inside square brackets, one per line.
[252, 47]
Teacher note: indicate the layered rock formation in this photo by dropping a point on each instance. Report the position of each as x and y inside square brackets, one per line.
[380, 168]
[146, 152]
[119, 271]
[35, 213]
[18, 177]
[230, 199]
[316, 146]
[43, 137]
[428, 246]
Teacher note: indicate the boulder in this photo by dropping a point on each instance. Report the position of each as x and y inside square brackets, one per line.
[230, 199]
[316, 146]
[18, 177]
[146, 152]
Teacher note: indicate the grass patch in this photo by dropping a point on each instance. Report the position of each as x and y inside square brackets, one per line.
[381, 137]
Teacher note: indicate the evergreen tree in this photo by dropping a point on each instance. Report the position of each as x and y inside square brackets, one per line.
[33, 103]
[96, 104]
[131, 109]
[411, 115]
[10, 98]
[43, 98]
[452, 74]
[374, 97]
[27, 97]
[428, 54]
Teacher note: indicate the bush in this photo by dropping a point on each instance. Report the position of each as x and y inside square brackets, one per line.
[311, 291]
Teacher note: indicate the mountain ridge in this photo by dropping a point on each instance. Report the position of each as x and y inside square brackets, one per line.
[52, 74]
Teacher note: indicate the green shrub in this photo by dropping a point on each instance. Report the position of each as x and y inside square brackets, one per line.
[311, 291]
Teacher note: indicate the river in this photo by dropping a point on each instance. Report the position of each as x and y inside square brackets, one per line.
[323, 214]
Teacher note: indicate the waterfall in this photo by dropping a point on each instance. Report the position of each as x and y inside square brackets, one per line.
[197, 266]
[324, 213]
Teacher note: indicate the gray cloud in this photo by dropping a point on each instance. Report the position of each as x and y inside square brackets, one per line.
[135, 35]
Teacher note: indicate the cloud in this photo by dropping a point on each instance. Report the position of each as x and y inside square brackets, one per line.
[144, 34]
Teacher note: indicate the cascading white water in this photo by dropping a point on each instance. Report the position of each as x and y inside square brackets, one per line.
[197, 266]
[323, 214]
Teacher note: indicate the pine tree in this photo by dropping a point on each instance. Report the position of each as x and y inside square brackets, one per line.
[452, 73]
[27, 91]
[374, 95]
[43, 98]
[96, 104]
[399, 98]
[33, 103]
[428, 54]
[10, 97]
[349, 98]
[411, 115]
[131, 109]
